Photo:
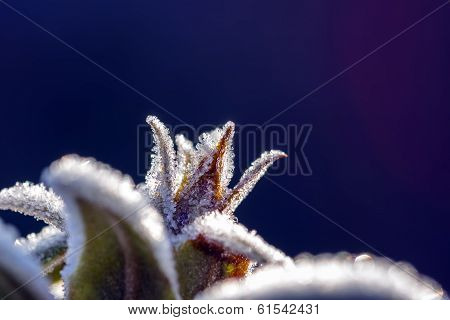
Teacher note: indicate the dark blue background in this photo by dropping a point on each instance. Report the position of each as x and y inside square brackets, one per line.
[379, 149]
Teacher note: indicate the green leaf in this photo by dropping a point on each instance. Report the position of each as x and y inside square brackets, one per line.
[201, 263]
[116, 263]
[118, 248]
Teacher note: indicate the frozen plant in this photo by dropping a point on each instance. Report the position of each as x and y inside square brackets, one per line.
[174, 236]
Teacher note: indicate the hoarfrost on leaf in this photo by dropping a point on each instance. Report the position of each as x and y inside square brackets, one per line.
[161, 177]
[331, 276]
[213, 169]
[34, 200]
[20, 275]
[38, 243]
[185, 162]
[214, 248]
[216, 153]
[233, 237]
[202, 174]
[48, 246]
[118, 247]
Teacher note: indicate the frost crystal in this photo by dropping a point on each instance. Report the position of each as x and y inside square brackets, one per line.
[77, 178]
[233, 237]
[41, 245]
[33, 200]
[161, 177]
[218, 146]
[211, 175]
[327, 276]
[23, 271]
[200, 181]
[185, 162]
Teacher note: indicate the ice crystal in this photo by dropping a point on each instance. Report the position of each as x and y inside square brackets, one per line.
[194, 181]
[327, 276]
[33, 200]
[185, 161]
[161, 177]
[49, 247]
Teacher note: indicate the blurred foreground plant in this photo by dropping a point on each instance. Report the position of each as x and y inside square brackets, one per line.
[174, 236]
